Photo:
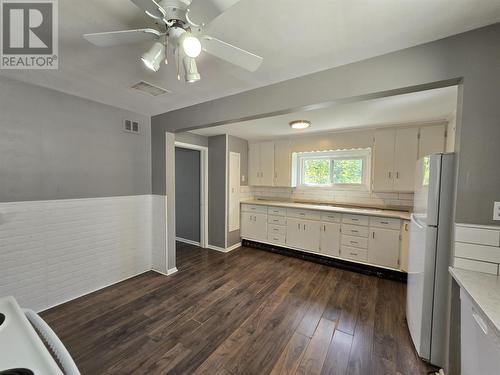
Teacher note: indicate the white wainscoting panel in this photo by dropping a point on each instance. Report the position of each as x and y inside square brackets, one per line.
[54, 251]
[477, 248]
[159, 234]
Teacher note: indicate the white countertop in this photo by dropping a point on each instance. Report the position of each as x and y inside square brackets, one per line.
[405, 215]
[484, 289]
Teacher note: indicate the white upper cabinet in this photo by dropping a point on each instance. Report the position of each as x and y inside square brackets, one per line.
[282, 163]
[405, 158]
[383, 160]
[432, 140]
[261, 164]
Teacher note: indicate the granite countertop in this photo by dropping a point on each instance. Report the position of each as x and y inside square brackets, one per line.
[484, 289]
[405, 215]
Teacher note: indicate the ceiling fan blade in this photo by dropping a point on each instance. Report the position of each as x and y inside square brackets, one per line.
[151, 8]
[230, 53]
[114, 38]
[202, 12]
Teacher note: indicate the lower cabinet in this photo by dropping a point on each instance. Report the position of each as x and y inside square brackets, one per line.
[330, 239]
[303, 234]
[254, 225]
[383, 247]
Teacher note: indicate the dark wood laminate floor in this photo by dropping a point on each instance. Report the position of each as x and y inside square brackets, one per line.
[245, 312]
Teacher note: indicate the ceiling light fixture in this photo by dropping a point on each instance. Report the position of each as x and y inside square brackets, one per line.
[300, 124]
[191, 69]
[191, 46]
[153, 58]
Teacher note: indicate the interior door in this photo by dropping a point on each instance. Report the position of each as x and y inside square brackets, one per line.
[330, 239]
[383, 160]
[405, 157]
[254, 164]
[234, 191]
[267, 163]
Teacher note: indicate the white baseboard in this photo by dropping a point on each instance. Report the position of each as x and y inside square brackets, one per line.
[226, 250]
[172, 271]
[190, 242]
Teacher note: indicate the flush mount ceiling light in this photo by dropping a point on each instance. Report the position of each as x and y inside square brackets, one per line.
[153, 58]
[300, 124]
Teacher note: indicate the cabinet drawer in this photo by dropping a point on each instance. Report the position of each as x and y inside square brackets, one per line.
[359, 242]
[303, 214]
[278, 220]
[276, 238]
[385, 222]
[355, 219]
[354, 230]
[277, 211]
[254, 208]
[332, 217]
[353, 253]
[276, 229]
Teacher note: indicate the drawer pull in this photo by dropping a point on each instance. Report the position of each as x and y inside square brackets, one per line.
[276, 239]
[354, 242]
[302, 214]
[353, 219]
[384, 222]
[276, 229]
[354, 254]
[354, 231]
[275, 220]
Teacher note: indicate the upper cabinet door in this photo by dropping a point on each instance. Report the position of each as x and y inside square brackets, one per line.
[383, 160]
[432, 140]
[405, 159]
[254, 164]
[267, 164]
[282, 163]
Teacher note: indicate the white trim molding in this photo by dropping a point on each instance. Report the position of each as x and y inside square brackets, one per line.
[185, 240]
[171, 271]
[224, 250]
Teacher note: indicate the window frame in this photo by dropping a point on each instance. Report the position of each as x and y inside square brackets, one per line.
[363, 154]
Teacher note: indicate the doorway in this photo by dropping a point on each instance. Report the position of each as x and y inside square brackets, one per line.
[190, 193]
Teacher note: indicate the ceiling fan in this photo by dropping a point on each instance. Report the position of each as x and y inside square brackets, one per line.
[182, 23]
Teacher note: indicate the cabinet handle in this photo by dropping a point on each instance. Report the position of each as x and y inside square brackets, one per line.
[354, 242]
[373, 234]
[354, 231]
[397, 174]
[324, 228]
[304, 227]
[384, 222]
[355, 254]
[354, 219]
[298, 225]
[390, 174]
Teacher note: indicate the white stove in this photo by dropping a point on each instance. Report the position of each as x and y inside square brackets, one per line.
[22, 351]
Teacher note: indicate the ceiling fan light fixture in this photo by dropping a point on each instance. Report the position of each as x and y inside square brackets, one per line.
[191, 46]
[300, 124]
[154, 56]
[191, 70]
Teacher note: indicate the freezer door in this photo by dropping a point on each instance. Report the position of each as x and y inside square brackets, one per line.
[420, 289]
[427, 188]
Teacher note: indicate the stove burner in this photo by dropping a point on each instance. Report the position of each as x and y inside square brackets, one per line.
[2, 318]
[17, 371]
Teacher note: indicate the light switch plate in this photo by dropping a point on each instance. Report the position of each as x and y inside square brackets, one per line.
[496, 211]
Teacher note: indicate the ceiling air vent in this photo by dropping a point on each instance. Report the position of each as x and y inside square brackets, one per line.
[150, 89]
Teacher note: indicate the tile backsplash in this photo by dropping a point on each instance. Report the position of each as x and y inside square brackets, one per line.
[325, 195]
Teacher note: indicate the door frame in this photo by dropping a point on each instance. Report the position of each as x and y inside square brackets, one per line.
[203, 189]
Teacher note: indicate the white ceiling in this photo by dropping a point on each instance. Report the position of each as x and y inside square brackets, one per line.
[424, 106]
[295, 37]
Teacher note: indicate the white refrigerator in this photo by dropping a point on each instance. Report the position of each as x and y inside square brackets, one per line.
[429, 256]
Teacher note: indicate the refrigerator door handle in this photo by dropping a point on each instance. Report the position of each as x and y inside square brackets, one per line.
[415, 221]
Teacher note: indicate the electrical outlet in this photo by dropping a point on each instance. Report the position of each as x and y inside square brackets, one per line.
[496, 211]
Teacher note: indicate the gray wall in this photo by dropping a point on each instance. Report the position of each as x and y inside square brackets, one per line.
[472, 58]
[57, 146]
[192, 138]
[240, 146]
[187, 194]
[217, 190]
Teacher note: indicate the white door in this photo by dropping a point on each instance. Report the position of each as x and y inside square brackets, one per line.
[282, 163]
[383, 247]
[253, 164]
[294, 232]
[267, 163]
[405, 157]
[330, 239]
[432, 140]
[247, 226]
[383, 160]
[260, 226]
[234, 191]
[311, 235]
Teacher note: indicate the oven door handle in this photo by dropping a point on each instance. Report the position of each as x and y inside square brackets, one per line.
[58, 348]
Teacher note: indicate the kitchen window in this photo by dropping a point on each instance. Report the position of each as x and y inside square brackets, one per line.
[343, 169]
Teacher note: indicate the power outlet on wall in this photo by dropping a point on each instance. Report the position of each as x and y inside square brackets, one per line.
[496, 211]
